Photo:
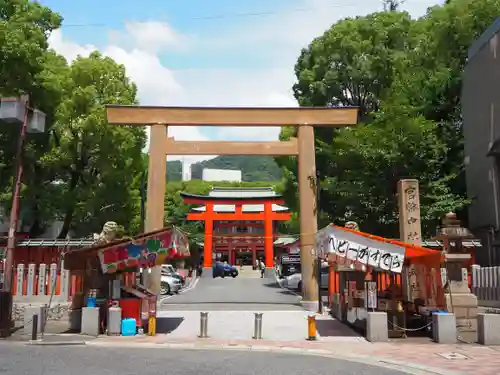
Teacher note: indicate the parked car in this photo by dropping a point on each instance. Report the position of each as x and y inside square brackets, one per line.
[223, 269]
[288, 270]
[168, 269]
[169, 284]
[294, 281]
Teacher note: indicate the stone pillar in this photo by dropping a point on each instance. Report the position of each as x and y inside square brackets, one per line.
[444, 328]
[90, 321]
[377, 329]
[410, 231]
[458, 297]
[488, 329]
[155, 207]
[308, 209]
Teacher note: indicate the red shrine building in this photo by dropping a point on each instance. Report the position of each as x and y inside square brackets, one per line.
[240, 223]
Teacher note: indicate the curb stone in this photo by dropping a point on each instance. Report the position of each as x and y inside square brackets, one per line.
[56, 343]
[409, 368]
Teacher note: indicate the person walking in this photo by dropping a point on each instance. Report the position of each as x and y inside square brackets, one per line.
[262, 268]
[199, 270]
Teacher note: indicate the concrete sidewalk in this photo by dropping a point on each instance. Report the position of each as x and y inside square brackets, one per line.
[417, 355]
[425, 357]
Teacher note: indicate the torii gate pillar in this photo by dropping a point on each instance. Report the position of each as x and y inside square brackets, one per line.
[301, 147]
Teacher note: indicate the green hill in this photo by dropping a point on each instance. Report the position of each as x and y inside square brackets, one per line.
[253, 168]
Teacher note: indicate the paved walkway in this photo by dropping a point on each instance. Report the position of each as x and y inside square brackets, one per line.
[238, 325]
[228, 294]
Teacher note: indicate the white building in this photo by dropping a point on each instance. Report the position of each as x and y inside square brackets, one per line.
[221, 175]
[186, 170]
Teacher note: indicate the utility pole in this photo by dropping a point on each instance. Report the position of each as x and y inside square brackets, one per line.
[7, 292]
[318, 260]
[392, 5]
[33, 124]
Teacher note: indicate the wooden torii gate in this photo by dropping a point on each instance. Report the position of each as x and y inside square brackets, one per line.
[302, 147]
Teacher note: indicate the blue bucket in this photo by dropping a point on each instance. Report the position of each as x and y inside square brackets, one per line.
[91, 302]
[129, 327]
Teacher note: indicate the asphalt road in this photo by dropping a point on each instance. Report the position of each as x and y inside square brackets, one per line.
[240, 293]
[78, 360]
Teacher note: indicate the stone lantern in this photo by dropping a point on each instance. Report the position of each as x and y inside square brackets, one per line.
[458, 297]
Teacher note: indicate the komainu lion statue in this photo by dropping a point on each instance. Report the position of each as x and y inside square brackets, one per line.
[108, 233]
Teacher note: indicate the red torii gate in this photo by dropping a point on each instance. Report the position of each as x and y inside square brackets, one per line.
[209, 216]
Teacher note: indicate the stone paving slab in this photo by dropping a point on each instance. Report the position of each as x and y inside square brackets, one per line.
[480, 360]
[239, 325]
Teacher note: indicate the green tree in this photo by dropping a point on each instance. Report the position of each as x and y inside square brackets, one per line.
[24, 26]
[352, 63]
[368, 161]
[429, 81]
[27, 67]
[414, 125]
[95, 165]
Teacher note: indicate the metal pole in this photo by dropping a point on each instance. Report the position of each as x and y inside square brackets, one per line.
[318, 260]
[5, 326]
[43, 320]
[257, 328]
[34, 328]
[203, 325]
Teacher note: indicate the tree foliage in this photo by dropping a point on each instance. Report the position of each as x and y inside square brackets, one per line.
[352, 64]
[405, 75]
[94, 163]
[81, 170]
[253, 168]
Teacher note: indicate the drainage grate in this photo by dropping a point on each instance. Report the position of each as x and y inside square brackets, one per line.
[453, 355]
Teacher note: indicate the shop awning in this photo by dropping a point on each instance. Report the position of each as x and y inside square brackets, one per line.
[367, 249]
[146, 250]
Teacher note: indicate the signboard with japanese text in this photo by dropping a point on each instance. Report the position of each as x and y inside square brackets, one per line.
[410, 231]
[290, 259]
[358, 248]
[410, 228]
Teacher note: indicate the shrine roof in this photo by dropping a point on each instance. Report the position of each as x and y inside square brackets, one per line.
[243, 193]
[236, 194]
[427, 243]
[39, 242]
[244, 207]
[285, 240]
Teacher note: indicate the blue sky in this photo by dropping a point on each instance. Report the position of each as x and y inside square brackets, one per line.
[206, 52]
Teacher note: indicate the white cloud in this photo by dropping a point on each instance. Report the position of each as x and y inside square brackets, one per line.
[286, 33]
[156, 83]
[67, 48]
[280, 37]
[154, 36]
